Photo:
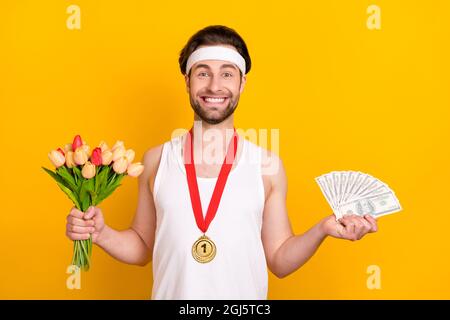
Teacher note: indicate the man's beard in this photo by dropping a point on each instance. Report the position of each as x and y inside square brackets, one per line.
[206, 115]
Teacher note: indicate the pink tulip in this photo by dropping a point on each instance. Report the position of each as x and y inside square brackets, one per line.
[120, 165]
[118, 153]
[96, 157]
[135, 169]
[56, 158]
[86, 148]
[106, 157]
[70, 163]
[118, 144]
[80, 156]
[102, 145]
[129, 154]
[88, 170]
[77, 142]
[61, 151]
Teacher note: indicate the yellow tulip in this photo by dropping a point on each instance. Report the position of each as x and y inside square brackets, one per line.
[80, 156]
[57, 158]
[69, 159]
[88, 170]
[120, 165]
[129, 154]
[135, 169]
[118, 153]
[107, 156]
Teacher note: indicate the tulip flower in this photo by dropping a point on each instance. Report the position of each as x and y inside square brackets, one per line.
[129, 154]
[77, 142]
[88, 170]
[118, 153]
[96, 157]
[80, 156]
[86, 148]
[106, 157]
[120, 165]
[56, 158]
[118, 144]
[68, 147]
[102, 145]
[70, 163]
[135, 169]
[61, 151]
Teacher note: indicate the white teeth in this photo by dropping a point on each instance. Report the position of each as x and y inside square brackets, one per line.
[215, 100]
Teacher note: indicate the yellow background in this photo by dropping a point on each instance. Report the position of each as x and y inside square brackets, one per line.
[343, 97]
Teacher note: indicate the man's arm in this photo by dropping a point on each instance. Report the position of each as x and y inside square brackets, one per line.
[133, 245]
[286, 252]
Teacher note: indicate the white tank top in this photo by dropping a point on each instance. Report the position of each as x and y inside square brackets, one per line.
[239, 269]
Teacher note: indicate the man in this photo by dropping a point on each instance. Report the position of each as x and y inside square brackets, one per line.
[212, 229]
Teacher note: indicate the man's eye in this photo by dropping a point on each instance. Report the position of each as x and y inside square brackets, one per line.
[227, 74]
[203, 74]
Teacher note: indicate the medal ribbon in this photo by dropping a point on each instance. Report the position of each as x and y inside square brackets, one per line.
[203, 223]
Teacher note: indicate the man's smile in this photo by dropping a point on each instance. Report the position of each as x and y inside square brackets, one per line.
[214, 101]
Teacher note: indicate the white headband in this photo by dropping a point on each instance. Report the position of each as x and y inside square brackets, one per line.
[216, 53]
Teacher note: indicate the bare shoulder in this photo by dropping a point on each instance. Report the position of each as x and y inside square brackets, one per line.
[271, 164]
[273, 172]
[152, 156]
[151, 160]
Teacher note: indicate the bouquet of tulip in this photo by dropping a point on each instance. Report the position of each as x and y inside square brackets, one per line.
[88, 177]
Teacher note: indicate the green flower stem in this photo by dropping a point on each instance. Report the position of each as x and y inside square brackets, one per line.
[82, 253]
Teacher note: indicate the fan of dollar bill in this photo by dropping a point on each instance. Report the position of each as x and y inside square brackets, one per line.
[351, 192]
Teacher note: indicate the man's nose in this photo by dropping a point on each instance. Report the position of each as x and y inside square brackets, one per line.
[214, 83]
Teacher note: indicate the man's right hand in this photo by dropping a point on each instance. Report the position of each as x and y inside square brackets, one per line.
[80, 225]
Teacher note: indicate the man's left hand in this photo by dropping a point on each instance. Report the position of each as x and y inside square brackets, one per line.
[350, 227]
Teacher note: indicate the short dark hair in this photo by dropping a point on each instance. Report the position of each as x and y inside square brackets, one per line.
[215, 35]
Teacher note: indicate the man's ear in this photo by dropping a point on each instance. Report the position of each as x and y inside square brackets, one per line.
[243, 82]
[186, 79]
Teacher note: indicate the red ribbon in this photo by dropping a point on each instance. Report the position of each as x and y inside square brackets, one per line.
[203, 223]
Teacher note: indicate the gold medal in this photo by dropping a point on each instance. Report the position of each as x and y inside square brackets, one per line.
[204, 249]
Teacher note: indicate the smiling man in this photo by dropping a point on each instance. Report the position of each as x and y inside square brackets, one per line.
[213, 224]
